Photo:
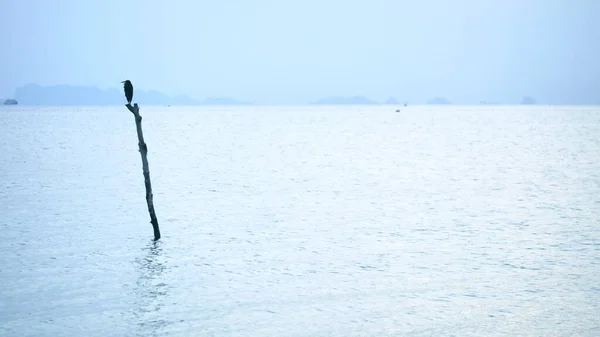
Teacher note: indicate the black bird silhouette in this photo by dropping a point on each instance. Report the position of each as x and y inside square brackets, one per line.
[128, 87]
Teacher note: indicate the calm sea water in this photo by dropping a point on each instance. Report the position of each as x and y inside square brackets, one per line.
[301, 221]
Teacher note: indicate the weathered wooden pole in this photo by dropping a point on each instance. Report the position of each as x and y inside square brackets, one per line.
[135, 110]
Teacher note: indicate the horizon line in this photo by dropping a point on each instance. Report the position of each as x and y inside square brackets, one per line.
[309, 105]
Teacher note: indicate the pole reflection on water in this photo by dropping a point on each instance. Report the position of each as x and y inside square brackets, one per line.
[150, 291]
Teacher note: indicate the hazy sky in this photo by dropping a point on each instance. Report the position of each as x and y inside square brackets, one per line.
[294, 51]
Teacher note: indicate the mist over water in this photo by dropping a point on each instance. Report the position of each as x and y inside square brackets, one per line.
[301, 221]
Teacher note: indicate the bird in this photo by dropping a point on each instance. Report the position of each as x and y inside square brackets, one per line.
[128, 88]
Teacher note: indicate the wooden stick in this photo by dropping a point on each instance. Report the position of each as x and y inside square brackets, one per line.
[135, 110]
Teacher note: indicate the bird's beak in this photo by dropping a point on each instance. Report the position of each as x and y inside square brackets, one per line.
[122, 81]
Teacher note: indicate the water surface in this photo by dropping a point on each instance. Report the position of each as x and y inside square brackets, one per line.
[301, 221]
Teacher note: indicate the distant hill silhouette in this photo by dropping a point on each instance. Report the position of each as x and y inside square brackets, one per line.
[528, 100]
[439, 100]
[339, 100]
[391, 100]
[224, 101]
[34, 94]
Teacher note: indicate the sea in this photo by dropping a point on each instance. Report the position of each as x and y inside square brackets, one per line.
[301, 221]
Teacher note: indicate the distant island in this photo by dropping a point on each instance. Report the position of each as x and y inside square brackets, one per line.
[439, 100]
[339, 100]
[34, 94]
[223, 101]
[528, 100]
[391, 101]
[11, 101]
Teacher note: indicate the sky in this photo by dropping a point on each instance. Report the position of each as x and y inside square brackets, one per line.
[296, 51]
